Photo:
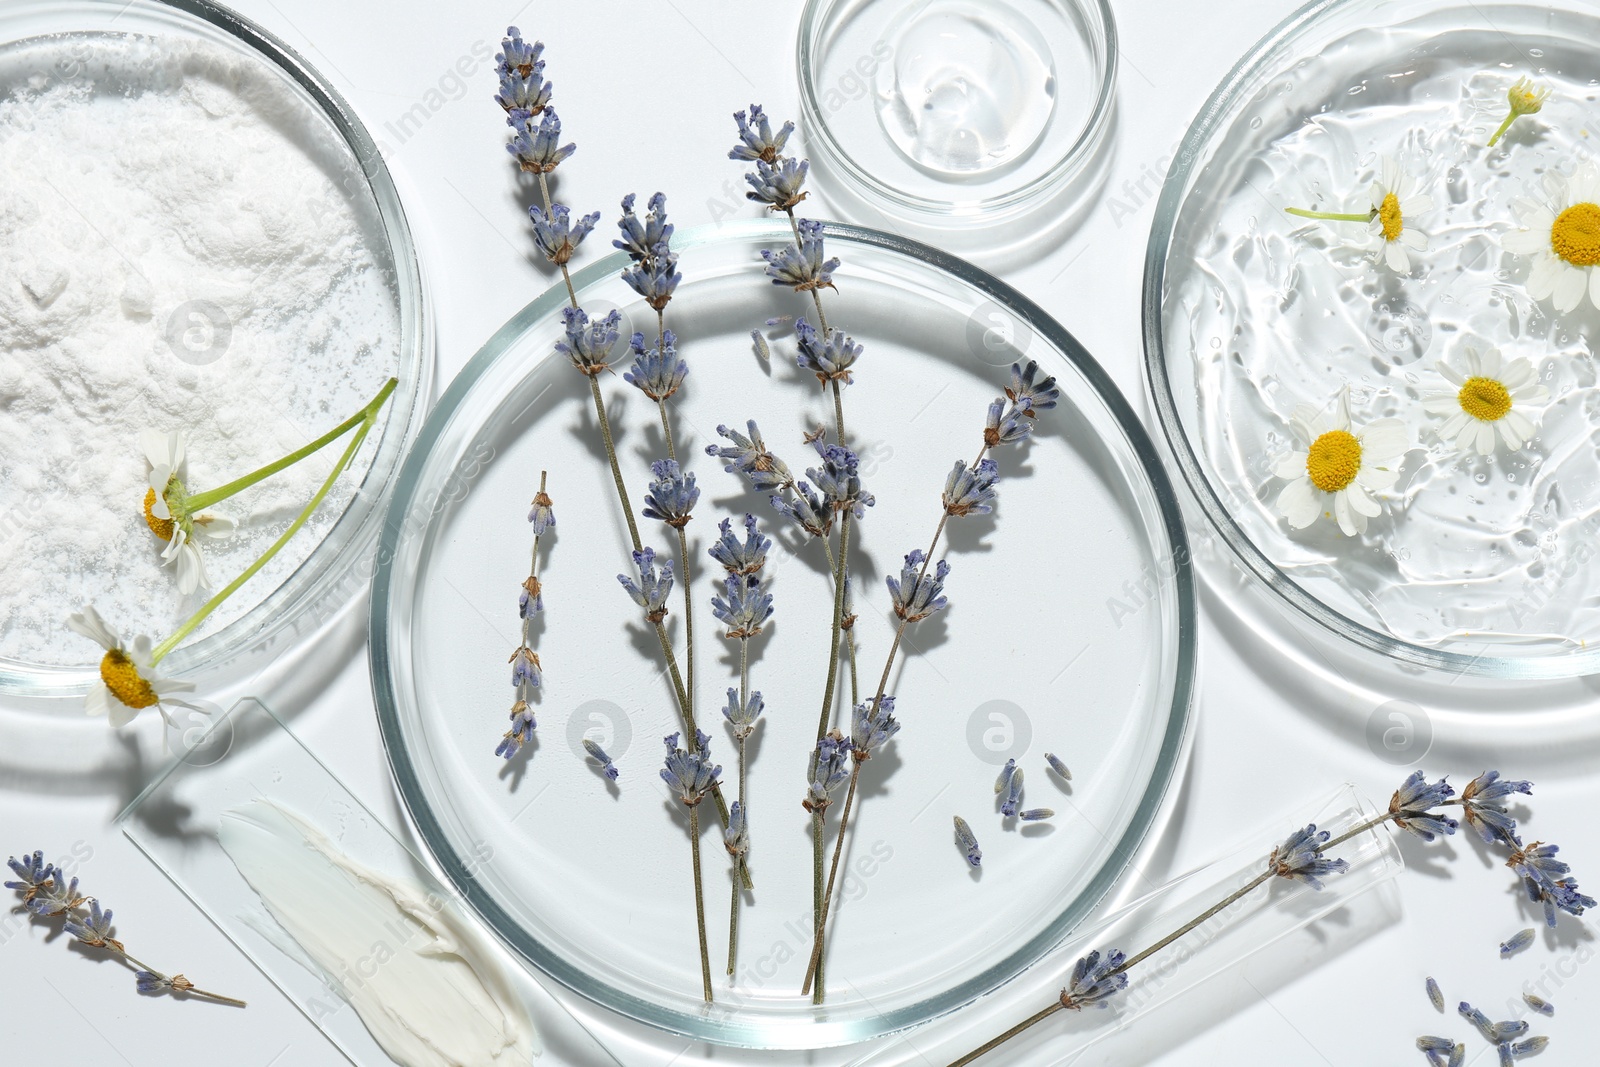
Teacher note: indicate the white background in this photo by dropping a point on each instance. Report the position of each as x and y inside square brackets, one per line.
[660, 80]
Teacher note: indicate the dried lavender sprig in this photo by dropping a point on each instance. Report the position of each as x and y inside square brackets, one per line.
[691, 775]
[527, 673]
[747, 608]
[47, 893]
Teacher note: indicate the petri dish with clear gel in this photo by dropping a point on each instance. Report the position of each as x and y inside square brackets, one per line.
[964, 120]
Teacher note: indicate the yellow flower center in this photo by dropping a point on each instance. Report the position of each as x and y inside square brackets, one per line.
[122, 678]
[1334, 460]
[162, 528]
[1484, 399]
[1526, 101]
[1389, 216]
[1575, 237]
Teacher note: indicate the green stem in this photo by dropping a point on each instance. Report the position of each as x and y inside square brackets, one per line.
[688, 618]
[199, 501]
[994, 1043]
[817, 829]
[616, 468]
[699, 901]
[370, 415]
[1331, 216]
[744, 699]
[838, 623]
[827, 895]
[1504, 126]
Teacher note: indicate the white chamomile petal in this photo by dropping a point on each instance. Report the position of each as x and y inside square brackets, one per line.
[1543, 277]
[214, 526]
[1291, 465]
[1526, 242]
[1299, 504]
[89, 623]
[98, 700]
[1394, 255]
[1571, 284]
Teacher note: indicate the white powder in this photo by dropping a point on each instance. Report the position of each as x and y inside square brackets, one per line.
[150, 186]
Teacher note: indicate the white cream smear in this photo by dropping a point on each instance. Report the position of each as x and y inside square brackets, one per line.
[419, 976]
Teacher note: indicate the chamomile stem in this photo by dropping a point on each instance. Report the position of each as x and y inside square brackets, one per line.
[370, 415]
[1504, 126]
[827, 894]
[1331, 216]
[197, 501]
[699, 901]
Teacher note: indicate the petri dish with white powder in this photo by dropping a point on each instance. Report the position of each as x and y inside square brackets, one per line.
[197, 237]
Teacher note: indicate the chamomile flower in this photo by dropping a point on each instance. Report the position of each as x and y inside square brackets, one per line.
[1339, 467]
[1396, 201]
[128, 684]
[1492, 395]
[1525, 97]
[167, 514]
[1561, 234]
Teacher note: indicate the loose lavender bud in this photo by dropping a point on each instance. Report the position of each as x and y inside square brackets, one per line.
[1530, 1046]
[1298, 858]
[741, 557]
[521, 732]
[1057, 766]
[658, 372]
[756, 139]
[1503, 1055]
[1476, 1018]
[1516, 943]
[971, 492]
[554, 233]
[1013, 796]
[801, 266]
[653, 588]
[598, 754]
[1510, 1030]
[1093, 982]
[1036, 814]
[1539, 1004]
[1002, 783]
[760, 343]
[1458, 1055]
[1412, 802]
[918, 594]
[1435, 1044]
[1435, 995]
[671, 497]
[968, 842]
[1483, 806]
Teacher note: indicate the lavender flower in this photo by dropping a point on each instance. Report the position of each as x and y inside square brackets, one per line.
[690, 773]
[872, 725]
[745, 606]
[808, 510]
[588, 344]
[1529, 1047]
[150, 983]
[517, 93]
[1483, 806]
[748, 456]
[1434, 1047]
[1029, 391]
[742, 714]
[554, 233]
[1094, 980]
[34, 875]
[1412, 802]
[672, 496]
[644, 240]
[1003, 782]
[95, 930]
[653, 588]
[525, 669]
[542, 515]
[531, 600]
[1516, 943]
[756, 140]
[778, 184]
[829, 356]
[1036, 814]
[968, 842]
[741, 557]
[55, 897]
[917, 594]
[761, 347]
[1435, 995]
[598, 754]
[518, 56]
[1057, 766]
[971, 491]
[839, 480]
[521, 732]
[655, 277]
[658, 372]
[1013, 795]
[1539, 1004]
[537, 147]
[736, 837]
[1299, 858]
[801, 265]
[1548, 880]
[1005, 426]
[828, 770]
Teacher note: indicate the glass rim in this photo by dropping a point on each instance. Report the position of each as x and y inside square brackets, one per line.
[1208, 122]
[314, 584]
[1102, 27]
[387, 653]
